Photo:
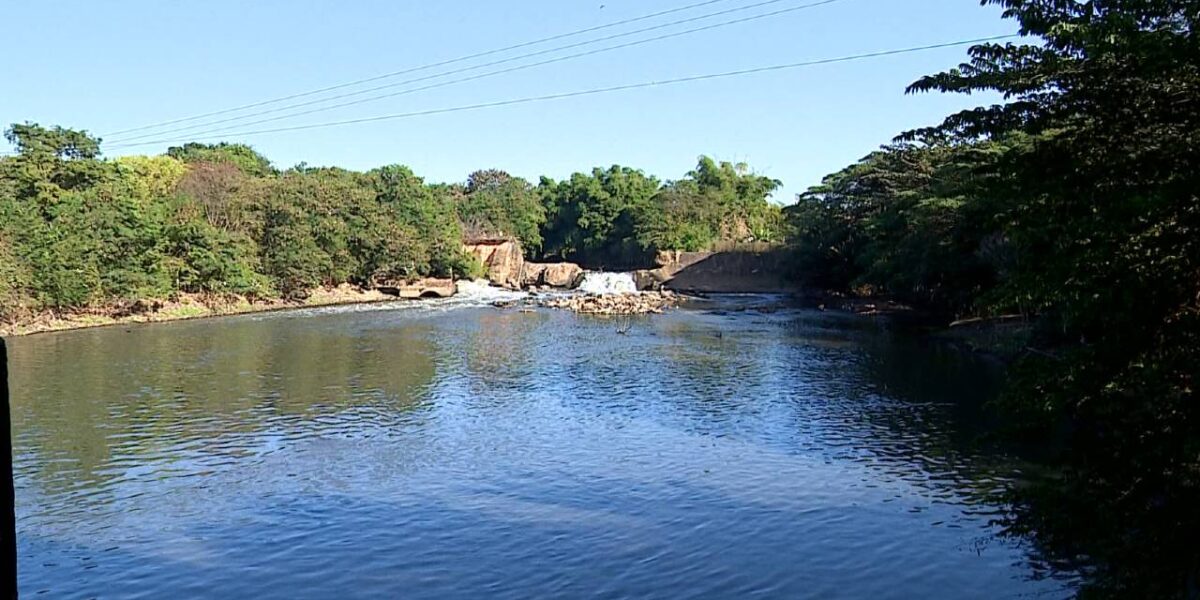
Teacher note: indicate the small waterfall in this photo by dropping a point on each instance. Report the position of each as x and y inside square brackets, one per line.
[608, 283]
[481, 292]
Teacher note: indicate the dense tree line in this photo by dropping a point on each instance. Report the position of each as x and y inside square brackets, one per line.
[78, 231]
[1074, 203]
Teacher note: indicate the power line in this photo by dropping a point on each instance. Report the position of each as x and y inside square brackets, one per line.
[489, 64]
[594, 91]
[426, 67]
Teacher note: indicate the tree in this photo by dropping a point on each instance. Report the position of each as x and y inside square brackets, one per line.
[912, 222]
[496, 204]
[1103, 216]
[713, 203]
[592, 218]
[241, 156]
[50, 161]
[426, 212]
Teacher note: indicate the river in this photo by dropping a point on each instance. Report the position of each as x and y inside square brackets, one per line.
[441, 450]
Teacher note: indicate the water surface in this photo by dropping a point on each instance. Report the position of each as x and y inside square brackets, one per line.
[459, 452]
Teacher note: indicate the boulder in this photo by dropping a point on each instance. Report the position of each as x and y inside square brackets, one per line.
[531, 276]
[650, 279]
[502, 259]
[559, 275]
[562, 275]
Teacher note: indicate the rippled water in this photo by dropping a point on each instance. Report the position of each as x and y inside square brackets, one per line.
[391, 451]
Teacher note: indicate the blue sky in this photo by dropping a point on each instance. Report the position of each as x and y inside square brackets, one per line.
[109, 66]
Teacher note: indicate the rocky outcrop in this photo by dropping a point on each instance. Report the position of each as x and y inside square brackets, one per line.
[502, 259]
[560, 275]
[531, 276]
[617, 304]
[650, 279]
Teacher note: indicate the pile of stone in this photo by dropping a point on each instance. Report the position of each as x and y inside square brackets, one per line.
[616, 304]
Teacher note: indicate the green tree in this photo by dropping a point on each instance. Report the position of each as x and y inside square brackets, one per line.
[51, 161]
[592, 218]
[1103, 217]
[912, 222]
[713, 203]
[496, 204]
[245, 158]
[426, 212]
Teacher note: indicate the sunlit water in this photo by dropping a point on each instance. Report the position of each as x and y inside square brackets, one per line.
[434, 451]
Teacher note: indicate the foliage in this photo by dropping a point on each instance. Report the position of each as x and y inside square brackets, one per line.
[1074, 202]
[429, 214]
[241, 156]
[496, 204]
[79, 232]
[618, 217]
[591, 218]
[51, 161]
[913, 222]
[714, 202]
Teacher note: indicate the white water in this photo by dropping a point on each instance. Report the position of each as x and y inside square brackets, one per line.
[608, 283]
[480, 291]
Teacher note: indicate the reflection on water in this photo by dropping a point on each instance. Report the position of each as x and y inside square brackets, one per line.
[717, 452]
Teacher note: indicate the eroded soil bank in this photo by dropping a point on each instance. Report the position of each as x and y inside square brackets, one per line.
[185, 306]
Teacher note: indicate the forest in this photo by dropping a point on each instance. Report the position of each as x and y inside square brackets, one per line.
[79, 231]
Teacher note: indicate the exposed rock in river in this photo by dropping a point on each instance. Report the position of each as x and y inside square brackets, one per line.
[616, 304]
[531, 276]
[562, 275]
[559, 275]
[502, 260]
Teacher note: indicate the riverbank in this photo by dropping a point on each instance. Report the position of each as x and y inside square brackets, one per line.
[185, 307]
[1004, 338]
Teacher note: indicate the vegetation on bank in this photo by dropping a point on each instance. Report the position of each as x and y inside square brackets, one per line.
[1074, 204]
[79, 232]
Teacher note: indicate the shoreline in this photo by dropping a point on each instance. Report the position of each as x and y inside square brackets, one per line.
[191, 307]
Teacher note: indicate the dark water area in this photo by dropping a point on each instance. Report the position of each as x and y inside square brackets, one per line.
[436, 452]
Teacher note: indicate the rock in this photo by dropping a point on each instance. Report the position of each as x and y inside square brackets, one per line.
[616, 304]
[531, 275]
[502, 259]
[650, 279]
[559, 275]
[562, 275]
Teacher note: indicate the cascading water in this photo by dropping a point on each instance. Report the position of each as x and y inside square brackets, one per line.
[599, 284]
[480, 291]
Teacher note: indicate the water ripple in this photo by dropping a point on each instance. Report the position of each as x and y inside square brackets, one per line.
[738, 448]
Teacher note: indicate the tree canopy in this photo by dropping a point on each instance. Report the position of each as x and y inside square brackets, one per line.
[79, 232]
[1075, 204]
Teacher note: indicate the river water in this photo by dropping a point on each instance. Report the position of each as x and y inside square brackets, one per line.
[731, 449]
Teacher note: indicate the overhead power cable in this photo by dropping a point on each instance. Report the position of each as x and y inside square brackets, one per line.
[605, 90]
[434, 65]
[486, 65]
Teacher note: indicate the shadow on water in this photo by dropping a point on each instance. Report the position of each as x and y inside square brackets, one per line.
[722, 451]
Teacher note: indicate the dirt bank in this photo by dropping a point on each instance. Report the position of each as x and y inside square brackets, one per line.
[185, 306]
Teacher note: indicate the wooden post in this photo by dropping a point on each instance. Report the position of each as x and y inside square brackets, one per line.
[8, 516]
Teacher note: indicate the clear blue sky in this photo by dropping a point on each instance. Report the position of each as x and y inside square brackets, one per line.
[108, 66]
